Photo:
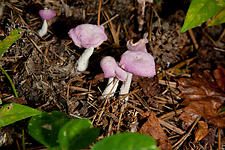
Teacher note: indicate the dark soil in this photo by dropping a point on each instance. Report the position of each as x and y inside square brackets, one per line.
[44, 74]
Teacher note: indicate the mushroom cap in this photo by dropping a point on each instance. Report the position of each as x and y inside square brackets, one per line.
[111, 68]
[88, 35]
[138, 46]
[138, 63]
[47, 14]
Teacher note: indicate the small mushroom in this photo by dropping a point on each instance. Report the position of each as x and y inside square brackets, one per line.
[138, 46]
[46, 14]
[114, 73]
[88, 36]
[141, 11]
[138, 62]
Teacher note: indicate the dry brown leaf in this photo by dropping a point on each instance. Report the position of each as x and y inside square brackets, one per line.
[152, 127]
[201, 131]
[203, 98]
[219, 75]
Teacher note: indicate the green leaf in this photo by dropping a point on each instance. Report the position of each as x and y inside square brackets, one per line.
[9, 40]
[0, 101]
[222, 110]
[77, 134]
[45, 127]
[13, 112]
[200, 11]
[126, 141]
[218, 19]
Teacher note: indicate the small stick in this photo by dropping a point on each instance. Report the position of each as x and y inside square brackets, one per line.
[177, 145]
[99, 11]
[171, 127]
[193, 38]
[219, 139]
[221, 36]
[35, 45]
[161, 75]
[209, 37]
[110, 20]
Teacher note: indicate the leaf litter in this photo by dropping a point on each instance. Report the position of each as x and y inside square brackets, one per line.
[43, 72]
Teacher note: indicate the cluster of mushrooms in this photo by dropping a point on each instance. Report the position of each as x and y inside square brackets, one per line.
[135, 61]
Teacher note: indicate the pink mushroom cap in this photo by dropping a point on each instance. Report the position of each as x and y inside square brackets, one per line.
[111, 68]
[47, 14]
[138, 63]
[138, 46]
[88, 35]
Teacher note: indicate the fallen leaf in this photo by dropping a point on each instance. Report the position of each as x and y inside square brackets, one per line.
[202, 97]
[219, 75]
[152, 127]
[201, 131]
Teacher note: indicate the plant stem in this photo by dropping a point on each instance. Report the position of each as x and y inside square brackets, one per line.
[10, 80]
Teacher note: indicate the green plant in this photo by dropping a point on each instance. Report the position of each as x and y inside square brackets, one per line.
[56, 131]
[4, 46]
[202, 10]
[10, 113]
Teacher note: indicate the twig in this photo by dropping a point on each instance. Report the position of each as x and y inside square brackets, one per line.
[99, 11]
[35, 45]
[115, 33]
[110, 20]
[161, 75]
[193, 38]
[209, 37]
[171, 127]
[177, 145]
[219, 49]
[221, 36]
[219, 139]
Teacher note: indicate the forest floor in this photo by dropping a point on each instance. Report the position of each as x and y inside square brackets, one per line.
[178, 107]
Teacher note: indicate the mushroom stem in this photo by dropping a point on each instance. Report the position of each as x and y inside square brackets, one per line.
[126, 86]
[82, 62]
[43, 29]
[111, 88]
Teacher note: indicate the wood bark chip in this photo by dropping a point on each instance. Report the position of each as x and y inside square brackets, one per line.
[152, 127]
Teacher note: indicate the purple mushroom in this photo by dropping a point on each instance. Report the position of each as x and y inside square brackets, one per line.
[138, 62]
[88, 36]
[46, 14]
[113, 72]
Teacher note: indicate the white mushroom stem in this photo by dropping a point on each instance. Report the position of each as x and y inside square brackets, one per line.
[43, 29]
[126, 86]
[82, 62]
[110, 88]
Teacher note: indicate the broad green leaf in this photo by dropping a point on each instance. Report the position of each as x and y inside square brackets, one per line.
[200, 11]
[77, 134]
[45, 127]
[13, 112]
[9, 40]
[126, 141]
[218, 19]
[0, 101]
